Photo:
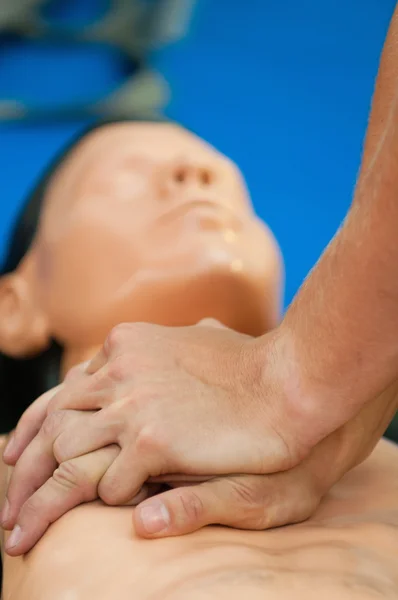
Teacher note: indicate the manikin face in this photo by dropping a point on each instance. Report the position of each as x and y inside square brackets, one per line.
[146, 222]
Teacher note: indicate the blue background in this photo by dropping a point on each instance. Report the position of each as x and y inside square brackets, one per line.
[282, 86]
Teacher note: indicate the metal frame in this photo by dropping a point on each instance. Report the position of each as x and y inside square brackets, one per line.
[135, 27]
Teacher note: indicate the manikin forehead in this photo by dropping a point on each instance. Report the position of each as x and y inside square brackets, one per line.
[157, 141]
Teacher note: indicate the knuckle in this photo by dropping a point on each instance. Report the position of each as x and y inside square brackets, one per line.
[68, 475]
[30, 511]
[109, 492]
[59, 450]
[288, 449]
[74, 373]
[248, 491]
[303, 507]
[71, 477]
[53, 423]
[150, 439]
[268, 504]
[116, 337]
[191, 505]
[120, 368]
[287, 513]
[251, 502]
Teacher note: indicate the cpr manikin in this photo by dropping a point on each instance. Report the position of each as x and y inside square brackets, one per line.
[143, 222]
[146, 222]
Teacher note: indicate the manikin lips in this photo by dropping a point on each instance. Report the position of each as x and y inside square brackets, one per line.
[211, 215]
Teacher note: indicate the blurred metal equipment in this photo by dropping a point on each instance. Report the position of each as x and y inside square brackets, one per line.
[18, 16]
[135, 27]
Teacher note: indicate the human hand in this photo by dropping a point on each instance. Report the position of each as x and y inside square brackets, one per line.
[265, 501]
[97, 386]
[71, 483]
[188, 401]
[240, 501]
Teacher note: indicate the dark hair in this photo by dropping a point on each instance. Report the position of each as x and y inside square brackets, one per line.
[23, 380]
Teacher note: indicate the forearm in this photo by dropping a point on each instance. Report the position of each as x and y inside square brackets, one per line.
[342, 327]
[384, 94]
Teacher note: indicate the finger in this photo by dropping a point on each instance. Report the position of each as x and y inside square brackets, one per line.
[77, 372]
[98, 362]
[87, 435]
[243, 502]
[124, 478]
[181, 510]
[82, 392]
[35, 466]
[28, 426]
[37, 462]
[72, 483]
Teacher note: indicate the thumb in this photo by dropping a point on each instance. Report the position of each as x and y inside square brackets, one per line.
[186, 509]
[179, 511]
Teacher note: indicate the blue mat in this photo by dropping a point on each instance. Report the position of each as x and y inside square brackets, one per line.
[281, 86]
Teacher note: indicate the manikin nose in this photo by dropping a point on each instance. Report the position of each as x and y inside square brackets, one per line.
[188, 179]
[190, 184]
[192, 176]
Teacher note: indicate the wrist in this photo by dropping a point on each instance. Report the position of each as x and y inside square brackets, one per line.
[286, 391]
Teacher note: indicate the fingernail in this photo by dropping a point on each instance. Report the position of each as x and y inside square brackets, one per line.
[14, 538]
[5, 512]
[154, 517]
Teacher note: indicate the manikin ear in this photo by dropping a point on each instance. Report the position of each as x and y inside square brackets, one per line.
[23, 328]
